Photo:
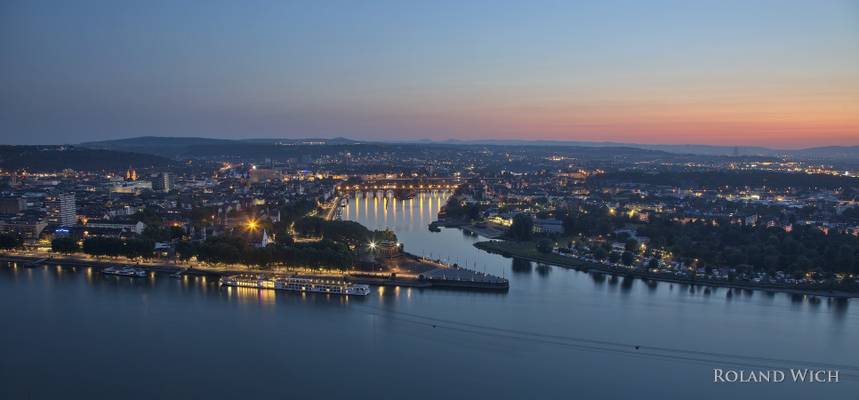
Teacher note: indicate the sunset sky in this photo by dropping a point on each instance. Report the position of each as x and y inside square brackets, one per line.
[782, 74]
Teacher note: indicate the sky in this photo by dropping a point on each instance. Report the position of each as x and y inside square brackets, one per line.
[782, 74]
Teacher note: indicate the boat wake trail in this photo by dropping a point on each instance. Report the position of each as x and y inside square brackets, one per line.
[847, 371]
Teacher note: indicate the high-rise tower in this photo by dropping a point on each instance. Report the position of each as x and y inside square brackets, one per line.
[68, 209]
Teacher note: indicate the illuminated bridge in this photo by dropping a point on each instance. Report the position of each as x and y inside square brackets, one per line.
[416, 184]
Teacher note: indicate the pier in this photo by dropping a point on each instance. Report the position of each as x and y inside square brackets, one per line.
[456, 277]
[35, 263]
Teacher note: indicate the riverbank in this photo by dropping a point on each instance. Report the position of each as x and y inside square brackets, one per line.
[527, 251]
[485, 229]
[24, 260]
[436, 275]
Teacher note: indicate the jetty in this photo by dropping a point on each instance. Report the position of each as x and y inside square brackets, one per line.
[456, 277]
[35, 263]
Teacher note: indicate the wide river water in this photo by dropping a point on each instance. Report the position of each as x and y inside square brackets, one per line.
[558, 333]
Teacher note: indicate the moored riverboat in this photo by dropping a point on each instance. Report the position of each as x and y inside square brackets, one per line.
[297, 284]
[125, 271]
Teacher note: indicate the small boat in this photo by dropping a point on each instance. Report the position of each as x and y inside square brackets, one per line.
[125, 271]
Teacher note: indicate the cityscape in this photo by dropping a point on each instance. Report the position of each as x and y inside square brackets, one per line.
[780, 223]
[206, 212]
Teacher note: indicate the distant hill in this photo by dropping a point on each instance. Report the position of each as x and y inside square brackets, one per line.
[709, 150]
[176, 147]
[736, 179]
[179, 147]
[57, 158]
[830, 152]
[308, 141]
[162, 146]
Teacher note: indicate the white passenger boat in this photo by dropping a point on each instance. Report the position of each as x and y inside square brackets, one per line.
[296, 284]
[125, 271]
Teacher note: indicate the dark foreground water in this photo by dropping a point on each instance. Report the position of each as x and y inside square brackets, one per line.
[557, 333]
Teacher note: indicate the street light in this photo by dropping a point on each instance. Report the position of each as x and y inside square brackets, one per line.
[372, 245]
[252, 224]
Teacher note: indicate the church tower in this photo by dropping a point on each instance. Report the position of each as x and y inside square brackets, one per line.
[131, 174]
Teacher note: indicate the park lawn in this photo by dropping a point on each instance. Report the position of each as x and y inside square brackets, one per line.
[528, 250]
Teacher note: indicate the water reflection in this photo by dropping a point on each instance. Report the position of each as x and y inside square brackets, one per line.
[543, 270]
[626, 283]
[521, 265]
[245, 295]
[387, 211]
[652, 285]
[613, 280]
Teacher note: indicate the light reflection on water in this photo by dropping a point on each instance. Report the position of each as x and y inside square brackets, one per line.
[388, 211]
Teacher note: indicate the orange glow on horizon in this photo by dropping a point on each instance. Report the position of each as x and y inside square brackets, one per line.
[744, 112]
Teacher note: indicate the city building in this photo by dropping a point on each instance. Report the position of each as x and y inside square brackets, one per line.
[130, 186]
[27, 227]
[68, 209]
[117, 227]
[12, 204]
[163, 182]
[263, 175]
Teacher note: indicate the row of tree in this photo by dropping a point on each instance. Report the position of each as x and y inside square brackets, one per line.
[348, 232]
[105, 246]
[220, 249]
[459, 210]
[108, 246]
[761, 248]
[237, 250]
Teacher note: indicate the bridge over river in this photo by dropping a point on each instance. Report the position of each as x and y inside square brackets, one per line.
[416, 184]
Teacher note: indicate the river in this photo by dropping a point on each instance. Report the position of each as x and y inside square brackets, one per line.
[557, 333]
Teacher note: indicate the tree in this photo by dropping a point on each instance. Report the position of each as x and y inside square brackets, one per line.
[653, 263]
[631, 245]
[455, 209]
[185, 250]
[600, 253]
[134, 248]
[108, 246]
[162, 233]
[627, 258]
[348, 232]
[148, 216]
[545, 246]
[613, 257]
[522, 227]
[202, 216]
[65, 245]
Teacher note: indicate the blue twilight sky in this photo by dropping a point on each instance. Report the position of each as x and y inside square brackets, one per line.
[777, 73]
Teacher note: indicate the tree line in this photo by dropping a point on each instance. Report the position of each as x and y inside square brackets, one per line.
[237, 250]
[753, 247]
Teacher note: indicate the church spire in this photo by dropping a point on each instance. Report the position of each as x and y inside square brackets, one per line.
[265, 239]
